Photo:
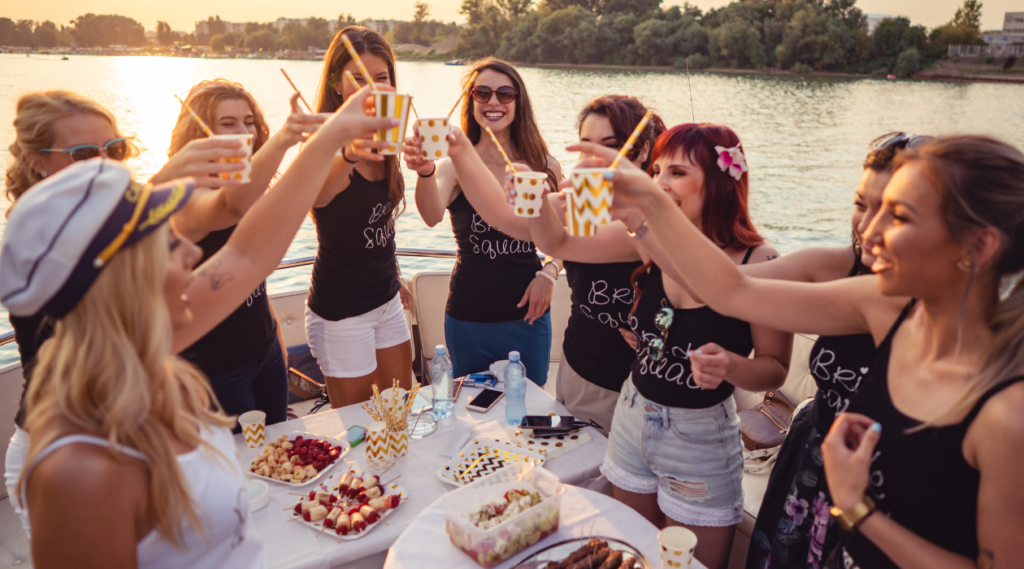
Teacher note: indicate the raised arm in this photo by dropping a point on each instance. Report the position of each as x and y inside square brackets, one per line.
[435, 180]
[265, 233]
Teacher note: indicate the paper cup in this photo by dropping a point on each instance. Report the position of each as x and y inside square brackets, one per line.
[589, 203]
[395, 106]
[254, 428]
[378, 451]
[677, 545]
[241, 176]
[529, 193]
[398, 442]
[432, 137]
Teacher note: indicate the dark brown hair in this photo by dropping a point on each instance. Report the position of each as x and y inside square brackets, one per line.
[329, 99]
[624, 113]
[527, 143]
[203, 98]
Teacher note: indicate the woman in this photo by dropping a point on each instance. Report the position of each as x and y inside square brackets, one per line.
[678, 397]
[142, 472]
[55, 129]
[946, 385]
[789, 532]
[243, 356]
[500, 293]
[355, 318]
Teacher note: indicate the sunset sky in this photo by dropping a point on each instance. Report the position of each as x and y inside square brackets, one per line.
[182, 14]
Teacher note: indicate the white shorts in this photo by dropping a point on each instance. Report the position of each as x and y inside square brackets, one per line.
[14, 463]
[347, 347]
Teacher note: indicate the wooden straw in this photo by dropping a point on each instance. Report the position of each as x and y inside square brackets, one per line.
[465, 93]
[301, 98]
[632, 138]
[505, 156]
[206, 129]
[359, 62]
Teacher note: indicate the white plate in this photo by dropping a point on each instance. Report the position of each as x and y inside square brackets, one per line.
[320, 476]
[317, 526]
[259, 494]
[498, 452]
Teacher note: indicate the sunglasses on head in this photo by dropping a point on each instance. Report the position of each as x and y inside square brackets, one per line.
[482, 94]
[116, 149]
[900, 140]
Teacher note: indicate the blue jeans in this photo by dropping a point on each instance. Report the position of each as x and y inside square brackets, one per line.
[259, 386]
[474, 346]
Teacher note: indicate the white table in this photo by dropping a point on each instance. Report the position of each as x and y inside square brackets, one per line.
[294, 546]
[425, 544]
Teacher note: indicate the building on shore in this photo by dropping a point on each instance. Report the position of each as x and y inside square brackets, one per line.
[1009, 41]
[380, 26]
[203, 27]
[280, 23]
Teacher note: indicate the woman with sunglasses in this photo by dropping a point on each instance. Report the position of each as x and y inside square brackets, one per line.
[500, 292]
[55, 129]
[244, 357]
[355, 317]
[130, 462]
[674, 452]
[924, 462]
[793, 526]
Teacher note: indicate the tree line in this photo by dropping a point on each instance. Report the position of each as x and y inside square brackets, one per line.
[88, 30]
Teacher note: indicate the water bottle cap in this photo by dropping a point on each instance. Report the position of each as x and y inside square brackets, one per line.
[440, 350]
[513, 356]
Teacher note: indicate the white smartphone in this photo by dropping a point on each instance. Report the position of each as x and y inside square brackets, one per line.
[486, 399]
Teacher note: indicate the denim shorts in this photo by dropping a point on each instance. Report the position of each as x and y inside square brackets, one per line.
[692, 458]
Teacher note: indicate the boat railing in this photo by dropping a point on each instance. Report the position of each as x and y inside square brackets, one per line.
[8, 337]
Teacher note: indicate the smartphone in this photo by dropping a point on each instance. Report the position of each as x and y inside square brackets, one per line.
[483, 402]
[355, 435]
[481, 380]
[547, 423]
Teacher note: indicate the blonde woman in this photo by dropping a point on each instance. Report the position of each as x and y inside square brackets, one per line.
[141, 472]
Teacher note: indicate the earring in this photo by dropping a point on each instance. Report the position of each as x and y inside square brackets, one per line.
[965, 266]
[43, 174]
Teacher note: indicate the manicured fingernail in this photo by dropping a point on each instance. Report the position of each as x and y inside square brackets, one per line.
[699, 351]
[608, 176]
[877, 427]
[512, 202]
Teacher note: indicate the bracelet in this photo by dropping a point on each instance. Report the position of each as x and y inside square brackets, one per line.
[850, 519]
[541, 273]
[345, 156]
[432, 171]
[640, 231]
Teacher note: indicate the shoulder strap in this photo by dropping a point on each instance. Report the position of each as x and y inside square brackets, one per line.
[988, 395]
[750, 251]
[898, 322]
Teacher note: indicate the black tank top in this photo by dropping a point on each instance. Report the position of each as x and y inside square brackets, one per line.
[602, 297]
[244, 337]
[838, 365]
[492, 271]
[920, 480]
[669, 381]
[355, 269]
[29, 332]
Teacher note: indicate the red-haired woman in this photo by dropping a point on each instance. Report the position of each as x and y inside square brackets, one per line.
[674, 453]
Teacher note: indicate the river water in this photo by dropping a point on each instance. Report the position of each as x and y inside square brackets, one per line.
[805, 137]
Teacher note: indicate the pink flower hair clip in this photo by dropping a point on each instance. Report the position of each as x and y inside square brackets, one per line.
[732, 161]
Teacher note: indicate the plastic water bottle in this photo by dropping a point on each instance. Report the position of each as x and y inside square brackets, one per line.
[441, 381]
[515, 390]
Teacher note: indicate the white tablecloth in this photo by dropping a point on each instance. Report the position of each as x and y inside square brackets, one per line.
[295, 546]
[425, 544]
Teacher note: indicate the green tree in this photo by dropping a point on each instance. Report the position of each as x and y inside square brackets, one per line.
[21, 34]
[419, 33]
[737, 44]
[908, 62]
[263, 40]
[815, 39]
[655, 41]
[164, 35]
[968, 16]
[217, 43]
[486, 24]
[45, 35]
[616, 36]
[344, 20]
[91, 30]
[231, 40]
[568, 35]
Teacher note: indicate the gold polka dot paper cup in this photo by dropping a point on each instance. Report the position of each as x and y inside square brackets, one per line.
[529, 188]
[677, 545]
[254, 426]
[394, 106]
[240, 176]
[432, 137]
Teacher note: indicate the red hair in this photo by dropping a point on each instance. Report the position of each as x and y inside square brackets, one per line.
[724, 219]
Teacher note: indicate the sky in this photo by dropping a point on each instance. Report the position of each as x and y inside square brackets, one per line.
[182, 14]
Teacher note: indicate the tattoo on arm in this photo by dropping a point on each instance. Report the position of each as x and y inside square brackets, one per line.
[216, 276]
[986, 559]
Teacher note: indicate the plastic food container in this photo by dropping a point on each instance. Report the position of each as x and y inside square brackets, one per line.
[492, 546]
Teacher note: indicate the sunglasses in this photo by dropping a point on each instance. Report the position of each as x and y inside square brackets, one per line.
[116, 149]
[900, 140]
[483, 94]
[662, 321]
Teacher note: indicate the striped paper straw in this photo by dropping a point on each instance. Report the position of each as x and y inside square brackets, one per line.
[352, 78]
[632, 139]
[301, 98]
[465, 93]
[359, 62]
[206, 129]
[500, 149]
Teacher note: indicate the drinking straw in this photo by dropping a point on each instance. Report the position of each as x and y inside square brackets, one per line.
[352, 78]
[465, 93]
[632, 138]
[509, 162]
[301, 98]
[359, 62]
[206, 129]
[413, 107]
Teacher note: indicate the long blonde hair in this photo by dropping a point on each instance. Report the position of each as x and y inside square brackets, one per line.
[35, 114]
[981, 184]
[108, 371]
[203, 98]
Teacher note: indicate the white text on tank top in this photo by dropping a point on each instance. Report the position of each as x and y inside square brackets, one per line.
[661, 369]
[845, 380]
[601, 295]
[379, 236]
[502, 245]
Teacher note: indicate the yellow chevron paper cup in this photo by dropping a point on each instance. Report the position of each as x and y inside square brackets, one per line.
[254, 428]
[242, 176]
[395, 106]
[378, 451]
[677, 545]
[529, 193]
[432, 137]
[398, 442]
[589, 203]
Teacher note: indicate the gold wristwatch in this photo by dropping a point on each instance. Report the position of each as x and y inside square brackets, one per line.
[853, 517]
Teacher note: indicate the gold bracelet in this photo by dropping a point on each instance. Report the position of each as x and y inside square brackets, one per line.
[854, 516]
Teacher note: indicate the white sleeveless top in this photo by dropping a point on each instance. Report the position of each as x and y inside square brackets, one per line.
[222, 504]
